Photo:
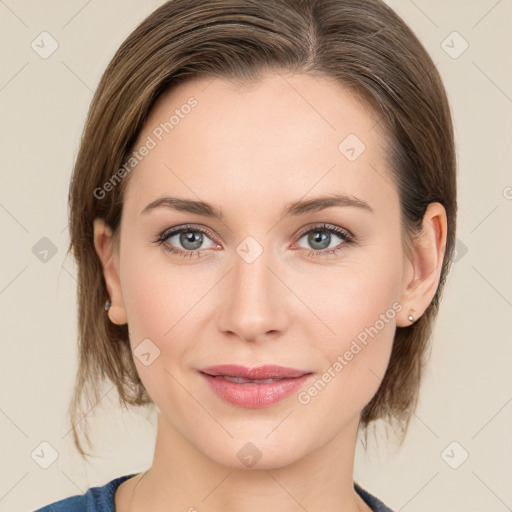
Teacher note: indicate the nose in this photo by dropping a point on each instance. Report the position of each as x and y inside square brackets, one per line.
[254, 301]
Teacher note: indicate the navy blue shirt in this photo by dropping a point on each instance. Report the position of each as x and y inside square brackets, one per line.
[101, 499]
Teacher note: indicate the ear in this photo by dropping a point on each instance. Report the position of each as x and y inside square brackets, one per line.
[109, 257]
[423, 268]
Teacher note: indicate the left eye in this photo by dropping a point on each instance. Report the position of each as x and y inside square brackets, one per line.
[320, 238]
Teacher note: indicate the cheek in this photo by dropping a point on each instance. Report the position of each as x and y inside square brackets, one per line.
[163, 305]
[155, 302]
[360, 309]
[355, 295]
[157, 307]
[146, 295]
[155, 292]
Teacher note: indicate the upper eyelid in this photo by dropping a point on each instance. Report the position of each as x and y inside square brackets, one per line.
[186, 227]
[327, 227]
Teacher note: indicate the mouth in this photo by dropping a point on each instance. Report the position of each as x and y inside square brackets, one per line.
[241, 380]
[254, 387]
[257, 373]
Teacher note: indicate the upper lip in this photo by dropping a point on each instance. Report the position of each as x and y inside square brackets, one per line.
[268, 371]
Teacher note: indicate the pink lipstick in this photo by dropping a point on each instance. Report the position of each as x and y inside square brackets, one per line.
[253, 387]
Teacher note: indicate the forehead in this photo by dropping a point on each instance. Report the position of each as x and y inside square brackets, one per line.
[282, 137]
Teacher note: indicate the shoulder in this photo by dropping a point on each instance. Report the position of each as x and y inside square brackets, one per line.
[374, 503]
[96, 499]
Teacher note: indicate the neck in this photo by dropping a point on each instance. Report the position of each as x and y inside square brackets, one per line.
[183, 478]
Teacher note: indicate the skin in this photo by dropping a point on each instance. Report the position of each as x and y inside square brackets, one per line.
[250, 152]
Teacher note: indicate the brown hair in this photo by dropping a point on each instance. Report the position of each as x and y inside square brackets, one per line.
[363, 45]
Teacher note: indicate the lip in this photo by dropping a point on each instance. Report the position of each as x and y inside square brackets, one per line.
[254, 394]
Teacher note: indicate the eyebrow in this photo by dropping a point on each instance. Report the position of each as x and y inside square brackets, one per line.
[295, 208]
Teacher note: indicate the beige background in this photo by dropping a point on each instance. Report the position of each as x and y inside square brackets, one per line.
[467, 394]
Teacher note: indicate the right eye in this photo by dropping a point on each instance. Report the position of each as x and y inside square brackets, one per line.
[189, 237]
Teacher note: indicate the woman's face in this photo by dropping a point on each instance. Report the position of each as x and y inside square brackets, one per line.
[260, 286]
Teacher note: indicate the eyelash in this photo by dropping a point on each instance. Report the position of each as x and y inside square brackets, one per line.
[345, 235]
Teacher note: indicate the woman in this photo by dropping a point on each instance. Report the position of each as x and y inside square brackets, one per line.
[263, 214]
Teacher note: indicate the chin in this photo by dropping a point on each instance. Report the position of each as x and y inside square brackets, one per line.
[257, 451]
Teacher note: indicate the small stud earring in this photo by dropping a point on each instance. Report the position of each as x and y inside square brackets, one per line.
[107, 305]
[410, 318]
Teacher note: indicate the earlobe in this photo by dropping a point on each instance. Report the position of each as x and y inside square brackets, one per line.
[424, 268]
[103, 243]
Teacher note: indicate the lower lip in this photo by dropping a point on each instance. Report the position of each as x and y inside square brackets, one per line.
[253, 395]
